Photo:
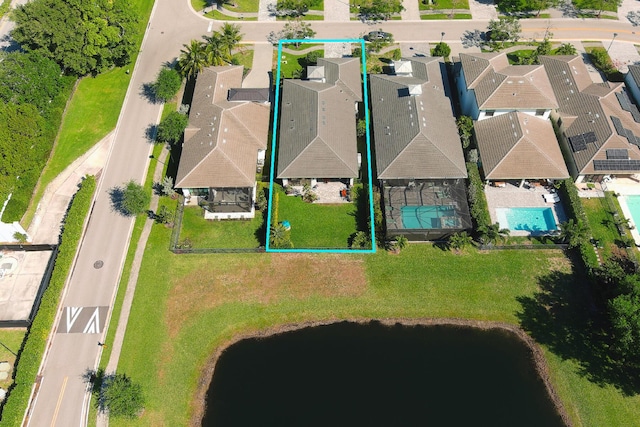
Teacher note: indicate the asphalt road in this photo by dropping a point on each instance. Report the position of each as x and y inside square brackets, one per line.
[62, 397]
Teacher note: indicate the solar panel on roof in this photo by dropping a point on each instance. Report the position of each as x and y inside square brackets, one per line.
[617, 123]
[577, 143]
[616, 165]
[590, 137]
[617, 154]
[635, 113]
[623, 99]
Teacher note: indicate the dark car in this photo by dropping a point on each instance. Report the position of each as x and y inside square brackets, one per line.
[378, 35]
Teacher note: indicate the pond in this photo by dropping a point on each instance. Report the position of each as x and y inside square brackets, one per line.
[350, 374]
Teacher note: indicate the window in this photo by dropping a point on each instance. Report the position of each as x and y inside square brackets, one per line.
[540, 112]
[490, 113]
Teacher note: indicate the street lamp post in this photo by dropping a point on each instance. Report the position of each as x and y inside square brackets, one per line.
[612, 39]
[441, 36]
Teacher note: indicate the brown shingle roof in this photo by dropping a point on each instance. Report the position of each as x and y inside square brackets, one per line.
[415, 136]
[222, 138]
[318, 124]
[519, 146]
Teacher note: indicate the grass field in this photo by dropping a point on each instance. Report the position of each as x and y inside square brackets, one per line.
[444, 4]
[179, 319]
[221, 234]
[437, 16]
[214, 14]
[290, 63]
[596, 5]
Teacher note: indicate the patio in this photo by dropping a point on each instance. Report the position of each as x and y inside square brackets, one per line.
[511, 196]
[328, 192]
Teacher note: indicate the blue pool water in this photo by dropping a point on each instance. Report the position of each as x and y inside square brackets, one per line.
[428, 217]
[633, 203]
[527, 219]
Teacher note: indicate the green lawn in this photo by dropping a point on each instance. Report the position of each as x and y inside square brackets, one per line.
[316, 225]
[596, 5]
[243, 5]
[290, 63]
[220, 234]
[438, 16]
[444, 4]
[302, 18]
[92, 112]
[602, 224]
[180, 319]
[214, 14]
[317, 5]
[10, 343]
[514, 56]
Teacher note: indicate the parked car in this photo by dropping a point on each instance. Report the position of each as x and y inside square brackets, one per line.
[378, 35]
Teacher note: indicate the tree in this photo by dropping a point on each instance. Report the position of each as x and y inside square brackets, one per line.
[492, 234]
[360, 240]
[134, 199]
[231, 36]
[465, 129]
[459, 241]
[292, 7]
[566, 49]
[608, 4]
[167, 84]
[119, 396]
[312, 57]
[217, 52]
[573, 232]
[378, 10]
[280, 237]
[624, 314]
[441, 49]
[29, 78]
[166, 186]
[82, 37]
[193, 58]
[506, 28]
[172, 127]
[293, 30]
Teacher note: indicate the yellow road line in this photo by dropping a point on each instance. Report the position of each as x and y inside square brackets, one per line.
[55, 413]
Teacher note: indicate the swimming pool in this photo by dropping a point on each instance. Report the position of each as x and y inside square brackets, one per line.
[428, 217]
[527, 219]
[633, 203]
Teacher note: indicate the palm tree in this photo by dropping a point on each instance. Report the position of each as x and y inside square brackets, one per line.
[216, 50]
[573, 232]
[231, 36]
[280, 237]
[458, 241]
[492, 234]
[192, 59]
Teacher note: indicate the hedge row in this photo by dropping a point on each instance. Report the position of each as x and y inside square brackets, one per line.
[30, 356]
[573, 208]
[479, 208]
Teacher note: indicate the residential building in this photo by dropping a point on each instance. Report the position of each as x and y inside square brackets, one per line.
[632, 81]
[518, 146]
[317, 125]
[488, 86]
[597, 122]
[224, 144]
[419, 160]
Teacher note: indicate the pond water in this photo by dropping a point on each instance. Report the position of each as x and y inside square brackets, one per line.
[349, 374]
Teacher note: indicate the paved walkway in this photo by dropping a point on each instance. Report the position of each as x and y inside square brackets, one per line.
[483, 9]
[623, 54]
[595, 75]
[411, 10]
[626, 7]
[45, 226]
[336, 11]
[263, 10]
[260, 74]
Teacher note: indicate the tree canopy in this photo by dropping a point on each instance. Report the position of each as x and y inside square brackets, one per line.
[167, 84]
[506, 28]
[377, 10]
[82, 37]
[172, 127]
[510, 6]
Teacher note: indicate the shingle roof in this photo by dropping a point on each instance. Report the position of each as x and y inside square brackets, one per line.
[498, 85]
[589, 109]
[519, 146]
[415, 136]
[318, 123]
[222, 139]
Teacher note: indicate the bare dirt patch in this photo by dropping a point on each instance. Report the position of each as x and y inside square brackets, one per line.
[264, 279]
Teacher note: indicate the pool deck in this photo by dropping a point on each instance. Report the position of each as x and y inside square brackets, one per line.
[511, 196]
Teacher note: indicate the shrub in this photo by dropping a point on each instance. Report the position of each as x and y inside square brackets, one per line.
[172, 127]
[312, 57]
[119, 396]
[574, 210]
[31, 354]
[167, 84]
[479, 207]
[441, 49]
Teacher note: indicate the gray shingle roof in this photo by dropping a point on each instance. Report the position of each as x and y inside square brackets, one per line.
[317, 136]
[519, 146]
[501, 86]
[415, 136]
[222, 139]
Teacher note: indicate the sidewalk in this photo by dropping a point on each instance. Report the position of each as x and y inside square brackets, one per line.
[45, 226]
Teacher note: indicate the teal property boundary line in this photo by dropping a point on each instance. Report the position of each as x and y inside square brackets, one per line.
[368, 140]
